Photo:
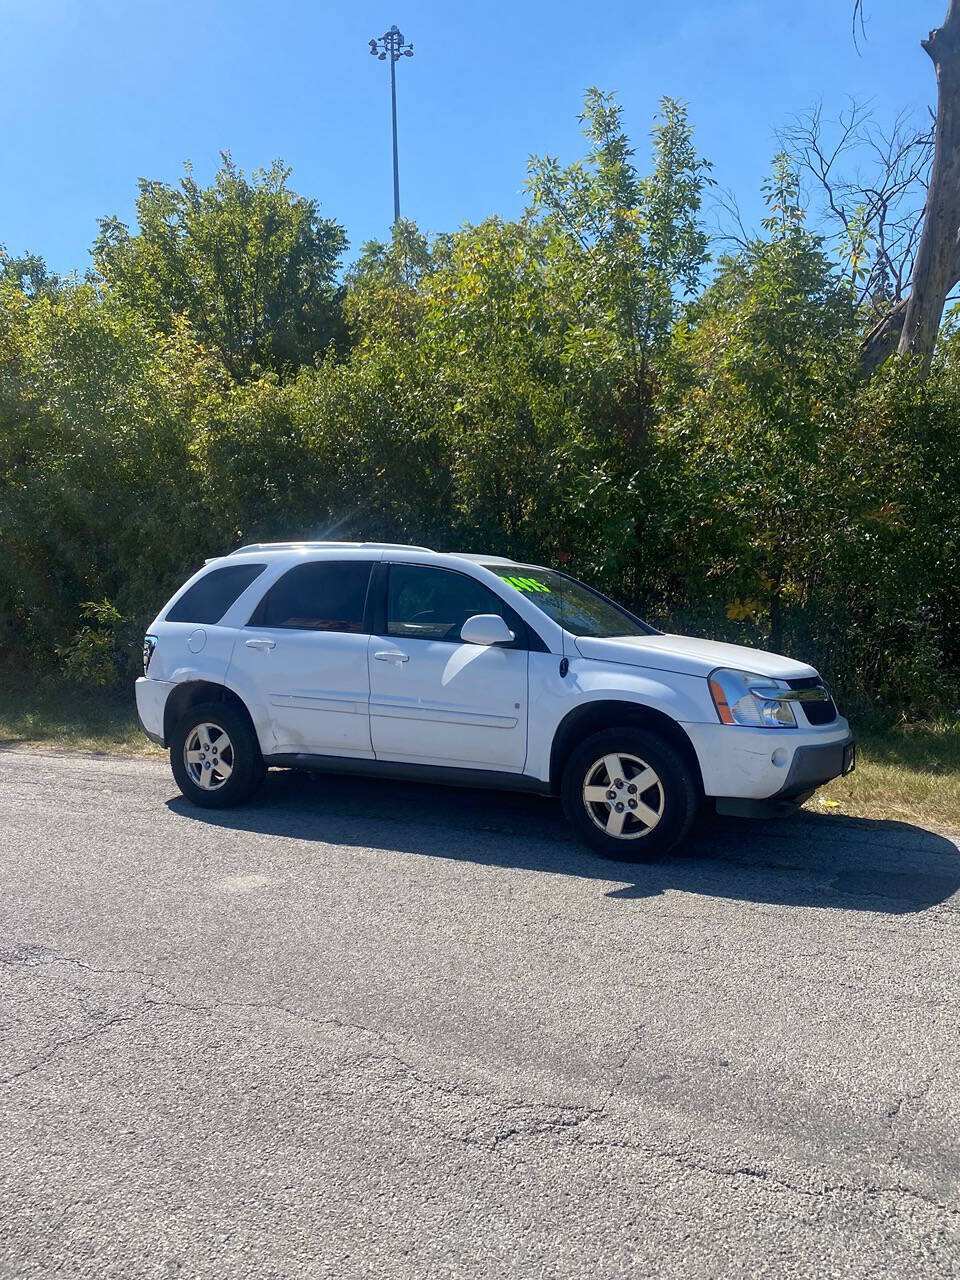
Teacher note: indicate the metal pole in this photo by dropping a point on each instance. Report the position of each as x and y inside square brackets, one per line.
[396, 163]
[390, 45]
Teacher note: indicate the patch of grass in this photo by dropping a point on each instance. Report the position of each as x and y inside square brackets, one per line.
[58, 714]
[906, 770]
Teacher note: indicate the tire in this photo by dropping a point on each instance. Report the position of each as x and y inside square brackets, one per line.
[652, 820]
[241, 755]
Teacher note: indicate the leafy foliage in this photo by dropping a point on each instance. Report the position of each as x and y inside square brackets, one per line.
[250, 264]
[625, 245]
[563, 388]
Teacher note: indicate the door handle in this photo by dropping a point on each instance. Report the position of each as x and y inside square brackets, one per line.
[392, 655]
[261, 643]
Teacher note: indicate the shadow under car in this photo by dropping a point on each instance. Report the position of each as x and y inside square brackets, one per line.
[804, 860]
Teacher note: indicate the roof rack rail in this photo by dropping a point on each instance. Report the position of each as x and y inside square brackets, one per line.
[306, 542]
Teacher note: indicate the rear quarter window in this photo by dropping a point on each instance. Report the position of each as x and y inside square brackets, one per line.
[321, 595]
[210, 597]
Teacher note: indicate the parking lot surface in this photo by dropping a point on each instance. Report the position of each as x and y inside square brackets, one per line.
[363, 1028]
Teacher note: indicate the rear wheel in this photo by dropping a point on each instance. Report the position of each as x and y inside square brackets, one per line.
[215, 756]
[629, 794]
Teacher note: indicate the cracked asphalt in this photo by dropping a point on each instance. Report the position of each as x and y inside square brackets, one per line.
[361, 1029]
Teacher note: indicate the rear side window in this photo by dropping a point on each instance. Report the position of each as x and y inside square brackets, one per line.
[324, 595]
[210, 598]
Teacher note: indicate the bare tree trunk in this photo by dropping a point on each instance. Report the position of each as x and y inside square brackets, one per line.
[935, 268]
[883, 339]
[776, 619]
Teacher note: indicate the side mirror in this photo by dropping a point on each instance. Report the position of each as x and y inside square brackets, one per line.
[486, 629]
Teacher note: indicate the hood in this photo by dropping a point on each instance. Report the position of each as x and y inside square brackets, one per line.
[689, 656]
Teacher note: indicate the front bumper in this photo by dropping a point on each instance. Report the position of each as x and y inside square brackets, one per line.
[741, 764]
[812, 766]
[151, 700]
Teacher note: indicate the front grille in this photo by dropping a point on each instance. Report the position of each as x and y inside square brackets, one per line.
[816, 712]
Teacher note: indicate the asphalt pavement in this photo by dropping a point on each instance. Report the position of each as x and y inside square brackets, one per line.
[382, 1029]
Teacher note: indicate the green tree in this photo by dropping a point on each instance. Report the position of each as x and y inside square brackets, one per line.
[772, 470]
[626, 247]
[98, 500]
[385, 287]
[28, 273]
[251, 264]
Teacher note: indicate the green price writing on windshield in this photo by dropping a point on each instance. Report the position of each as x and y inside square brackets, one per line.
[527, 584]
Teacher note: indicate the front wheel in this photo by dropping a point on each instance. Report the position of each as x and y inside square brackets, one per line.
[629, 794]
[215, 756]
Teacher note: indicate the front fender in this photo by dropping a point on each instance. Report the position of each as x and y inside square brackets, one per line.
[682, 698]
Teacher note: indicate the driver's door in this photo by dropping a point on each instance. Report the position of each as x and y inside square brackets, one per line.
[434, 699]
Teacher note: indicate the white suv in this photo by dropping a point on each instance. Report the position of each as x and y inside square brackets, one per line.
[370, 658]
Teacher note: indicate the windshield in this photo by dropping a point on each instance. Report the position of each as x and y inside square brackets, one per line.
[572, 604]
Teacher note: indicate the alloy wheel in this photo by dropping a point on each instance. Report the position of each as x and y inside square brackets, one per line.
[623, 796]
[208, 756]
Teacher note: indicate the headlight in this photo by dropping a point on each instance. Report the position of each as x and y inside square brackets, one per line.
[744, 698]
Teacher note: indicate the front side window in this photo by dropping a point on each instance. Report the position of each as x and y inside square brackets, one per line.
[572, 604]
[322, 595]
[433, 604]
[212, 595]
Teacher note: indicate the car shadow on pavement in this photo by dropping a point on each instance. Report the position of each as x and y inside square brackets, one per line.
[804, 860]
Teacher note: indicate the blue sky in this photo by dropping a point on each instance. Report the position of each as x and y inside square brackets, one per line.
[96, 93]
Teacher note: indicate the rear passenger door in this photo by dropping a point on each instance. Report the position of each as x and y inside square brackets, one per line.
[434, 699]
[305, 649]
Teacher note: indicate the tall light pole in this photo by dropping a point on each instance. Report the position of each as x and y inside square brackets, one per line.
[390, 45]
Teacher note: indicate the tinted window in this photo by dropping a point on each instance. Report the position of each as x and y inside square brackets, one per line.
[210, 598]
[572, 604]
[433, 604]
[324, 595]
